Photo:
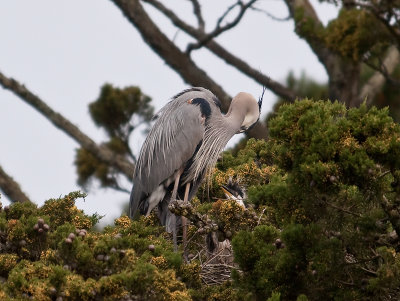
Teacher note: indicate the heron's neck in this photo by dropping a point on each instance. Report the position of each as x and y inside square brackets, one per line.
[219, 131]
[233, 120]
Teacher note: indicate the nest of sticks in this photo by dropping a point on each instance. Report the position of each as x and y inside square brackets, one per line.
[215, 273]
[216, 267]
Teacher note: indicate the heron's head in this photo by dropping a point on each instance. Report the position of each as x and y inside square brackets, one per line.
[234, 191]
[249, 106]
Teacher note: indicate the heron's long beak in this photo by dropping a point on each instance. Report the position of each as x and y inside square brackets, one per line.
[228, 192]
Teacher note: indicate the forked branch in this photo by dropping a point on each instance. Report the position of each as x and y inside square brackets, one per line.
[197, 12]
[175, 58]
[220, 29]
[224, 54]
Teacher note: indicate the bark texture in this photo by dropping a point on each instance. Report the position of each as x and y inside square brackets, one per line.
[11, 188]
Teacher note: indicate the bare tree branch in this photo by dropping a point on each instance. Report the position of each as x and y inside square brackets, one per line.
[226, 13]
[378, 79]
[263, 11]
[218, 29]
[101, 152]
[11, 188]
[343, 209]
[175, 58]
[167, 50]
[228, 57]
[198, 14]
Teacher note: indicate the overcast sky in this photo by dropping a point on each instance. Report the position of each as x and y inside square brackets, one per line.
[64, 51]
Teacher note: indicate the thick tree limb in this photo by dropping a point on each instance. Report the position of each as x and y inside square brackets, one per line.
[59, 121]
[304, 15]
[11, 188]
[378, 79]
[225, 55]
[344, 74]
[174, 57]
[167, 50]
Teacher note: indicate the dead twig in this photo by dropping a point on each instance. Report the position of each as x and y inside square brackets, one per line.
[198, 14]
[343, 209]
[263, 11]
[220, 29]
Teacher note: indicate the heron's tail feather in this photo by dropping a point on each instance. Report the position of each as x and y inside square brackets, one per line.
[134, 202]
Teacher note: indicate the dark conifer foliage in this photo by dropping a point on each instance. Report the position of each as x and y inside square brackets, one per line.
[118, 112]
[320, 220]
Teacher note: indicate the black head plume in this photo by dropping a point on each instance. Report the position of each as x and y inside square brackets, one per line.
[260, 99]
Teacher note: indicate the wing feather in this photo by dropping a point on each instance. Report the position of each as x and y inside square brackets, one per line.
[171, 142]
[175, 142]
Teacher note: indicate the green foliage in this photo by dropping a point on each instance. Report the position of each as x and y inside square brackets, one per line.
[90, 167]
[275, 297]
[307, 27]
[355, 32]
[119, 112]
[321, 222]
[53, 252]
[332, 203]
[223, 292]
[114, 108]
[302, 298]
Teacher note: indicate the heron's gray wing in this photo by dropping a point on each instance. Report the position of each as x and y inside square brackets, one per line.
[171, 142]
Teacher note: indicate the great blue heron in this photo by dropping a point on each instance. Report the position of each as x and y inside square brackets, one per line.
[183, 144]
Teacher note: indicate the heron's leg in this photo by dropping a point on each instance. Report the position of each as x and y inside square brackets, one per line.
[173, 217]
[184, 222]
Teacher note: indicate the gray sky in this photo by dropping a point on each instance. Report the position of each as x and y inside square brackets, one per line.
[63, 51]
